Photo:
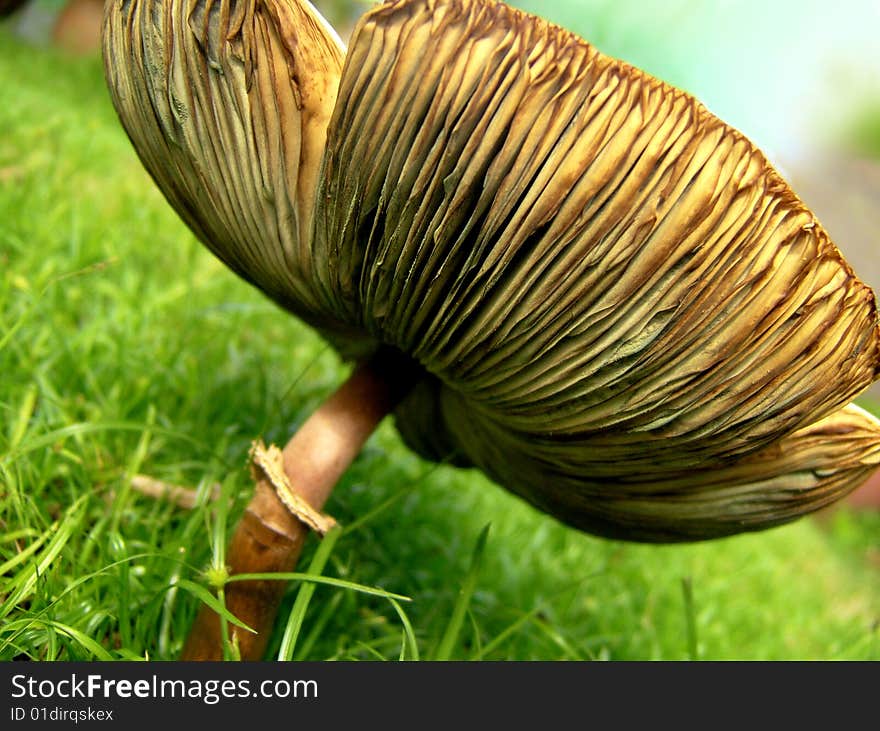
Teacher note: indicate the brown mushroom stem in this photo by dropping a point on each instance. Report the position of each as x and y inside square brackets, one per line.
[269, 539]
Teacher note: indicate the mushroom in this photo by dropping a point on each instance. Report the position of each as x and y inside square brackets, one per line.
[546, 263]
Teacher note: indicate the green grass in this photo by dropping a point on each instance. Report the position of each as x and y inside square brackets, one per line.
[126, 348]
[862, 129]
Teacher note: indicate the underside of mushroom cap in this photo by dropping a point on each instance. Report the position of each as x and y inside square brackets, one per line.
[606, 283]
[623, 313]
[798, 474]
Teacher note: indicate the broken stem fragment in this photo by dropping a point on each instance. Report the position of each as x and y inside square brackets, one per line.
[269, 537]
[182, 497]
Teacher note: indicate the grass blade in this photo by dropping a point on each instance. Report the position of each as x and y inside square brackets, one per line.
[24, 554]
[23, 585]
[213, 602]
[84, 640]
[690, 618]
[310, 578]
[23, 418]
[480, 653]
[409, 637]
[328, 611]
[304, 595]
[459, 611]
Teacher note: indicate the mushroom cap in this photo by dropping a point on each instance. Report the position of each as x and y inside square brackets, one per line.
[227, 105]
[621, 311]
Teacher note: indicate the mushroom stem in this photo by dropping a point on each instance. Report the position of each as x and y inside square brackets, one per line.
[269, 538]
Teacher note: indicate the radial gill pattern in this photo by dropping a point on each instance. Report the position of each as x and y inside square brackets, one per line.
[623, 313]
